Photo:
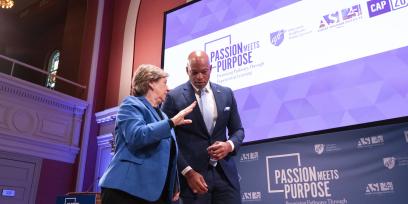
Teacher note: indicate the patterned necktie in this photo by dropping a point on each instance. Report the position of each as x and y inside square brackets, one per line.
[206, 110]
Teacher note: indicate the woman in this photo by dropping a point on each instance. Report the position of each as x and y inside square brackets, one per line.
[143, 168]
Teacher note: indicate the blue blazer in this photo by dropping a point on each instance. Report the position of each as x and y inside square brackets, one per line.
[194, 139]
[142, 157]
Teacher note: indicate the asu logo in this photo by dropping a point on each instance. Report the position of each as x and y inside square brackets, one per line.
[379, 188]
[251, 196]
[339, 17]
[389, 162]
[330, 19]
[370, 141]
[277, 37]
[250, 156]
[319, 148]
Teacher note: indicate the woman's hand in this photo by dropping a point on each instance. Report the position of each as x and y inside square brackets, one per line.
[179, 118]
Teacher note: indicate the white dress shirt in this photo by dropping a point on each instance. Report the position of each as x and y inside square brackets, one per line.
[213, 106]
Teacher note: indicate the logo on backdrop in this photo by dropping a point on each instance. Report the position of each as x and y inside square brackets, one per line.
[232, 61]
[248, 157]
[379, 188]
[277, 37]
[406, 136]
[340, 17]
[227, 55]
[370, 141]
[299, 182]
[389, 162]
[319, 148]
[378, 7]
[251, 196]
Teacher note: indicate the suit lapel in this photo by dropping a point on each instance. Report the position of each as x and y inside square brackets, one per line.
[219, 103]
[189, 95]
[150, 107]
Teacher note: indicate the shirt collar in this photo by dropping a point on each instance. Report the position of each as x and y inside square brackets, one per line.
[196, 90]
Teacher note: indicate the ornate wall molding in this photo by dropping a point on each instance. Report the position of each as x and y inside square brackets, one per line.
[38, 121]
[106, 121]
[103, 156]
[14, 87]
[107, 115]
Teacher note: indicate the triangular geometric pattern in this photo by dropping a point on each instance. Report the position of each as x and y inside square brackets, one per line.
[363, 90]
[213, 15]
[250, 103]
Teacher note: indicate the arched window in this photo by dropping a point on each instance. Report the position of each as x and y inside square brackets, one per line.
[52, 69]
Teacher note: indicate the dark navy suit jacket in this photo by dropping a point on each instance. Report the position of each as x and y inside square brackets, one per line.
[193, 139]
[142, 158]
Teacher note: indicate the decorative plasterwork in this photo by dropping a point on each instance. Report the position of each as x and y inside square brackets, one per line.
[39, 122]
[105, 120]
[106, 115]
[14, 87]
[103, 156]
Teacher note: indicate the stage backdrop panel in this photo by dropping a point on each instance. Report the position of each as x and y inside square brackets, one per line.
[368, 165]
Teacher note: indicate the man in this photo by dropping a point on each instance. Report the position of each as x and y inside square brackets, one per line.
[205, 160]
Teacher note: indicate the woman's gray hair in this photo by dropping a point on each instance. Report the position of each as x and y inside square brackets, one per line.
[145, 74]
